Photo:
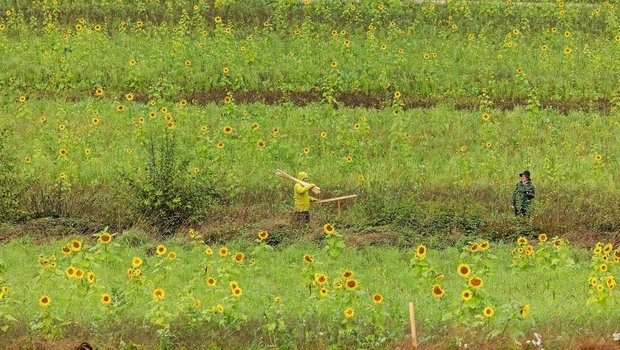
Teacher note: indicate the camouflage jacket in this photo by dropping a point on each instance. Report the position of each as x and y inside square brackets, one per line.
[523, 194]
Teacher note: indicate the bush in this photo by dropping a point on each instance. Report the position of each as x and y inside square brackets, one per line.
[167, 193]
[9, 182]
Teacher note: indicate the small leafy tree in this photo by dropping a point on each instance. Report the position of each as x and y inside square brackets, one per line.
[9, 184]
[167, 192]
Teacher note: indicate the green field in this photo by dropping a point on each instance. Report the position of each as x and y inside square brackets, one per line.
[281, 307]
[147, 119]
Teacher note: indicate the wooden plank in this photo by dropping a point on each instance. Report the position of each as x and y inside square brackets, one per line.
[414, 337]
[282, 174]
[334, 199]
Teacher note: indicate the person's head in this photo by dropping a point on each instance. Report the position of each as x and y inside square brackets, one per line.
[525, 176]
[303, 176]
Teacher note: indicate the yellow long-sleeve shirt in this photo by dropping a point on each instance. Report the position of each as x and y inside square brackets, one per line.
[302, 198]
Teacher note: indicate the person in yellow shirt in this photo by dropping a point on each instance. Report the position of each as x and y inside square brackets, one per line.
[302, 199]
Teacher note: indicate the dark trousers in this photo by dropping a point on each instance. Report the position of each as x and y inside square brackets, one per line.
[523, 210]
[301, 217]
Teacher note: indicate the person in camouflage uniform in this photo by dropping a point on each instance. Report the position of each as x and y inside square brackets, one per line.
[523, 195]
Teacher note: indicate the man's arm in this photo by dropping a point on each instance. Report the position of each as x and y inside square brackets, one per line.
[514, 195]
[531, 192]
[301, 189]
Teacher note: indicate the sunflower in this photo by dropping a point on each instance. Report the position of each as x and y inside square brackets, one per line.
[557, 243]
[172, 256]
[608, 248]
[486, 117]
[611, 282]
[598, 157]
[220, 145]
[306, 150]
[87, 151]
[383, 47]
[237, 292]
[219, 308]
[603, 267]
[45, 301]
[466, 295]
[79, 273]
[277, 299]
[333, 64]
[223, 252]
[421, 252]
[260, 144]
[161, 249]
[90, 277]
[27, 160]
[377, 298]
[233, 285]
[239, 257]
[62, 152]
[308, 259]
[188, 62]
[66, 250]
[120, 108]
[474, 247]
[356, 126]
[525, 310]
[567, 50]
[106, 299]
[484, 245]
[211, 282]
[225, 70]
[76, 245]
[440, 277]
[617, 38]
[488, 311]
[351, 284]
[323, 292]
[70, 272]
[262, 235]
[522, 241]
[320, 279]
[426, 56]
[542, 237]
[519, 70]
[463, 270]
[438, 292]
[349, 312]
[488, 144]
[475, 282]
[567, 34]
[158, 294]
[600, 288]
[346, 274]
[346, 42]
[328, 229]
[544, 47]
[227, 100]
[97, 27]
[2, 26]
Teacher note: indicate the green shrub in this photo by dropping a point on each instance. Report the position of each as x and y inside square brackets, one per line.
[9, 182]
[167, 193]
